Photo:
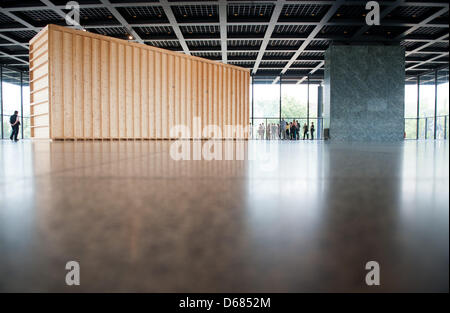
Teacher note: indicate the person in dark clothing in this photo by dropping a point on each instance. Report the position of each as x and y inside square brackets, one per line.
[305, 131]
[312, 129]
[15, 123]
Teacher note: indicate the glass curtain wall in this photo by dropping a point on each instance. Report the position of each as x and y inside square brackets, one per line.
[275, 99]
[14, 96]
[442, 104]
[266, 108]
[411, 89]
[426, 105]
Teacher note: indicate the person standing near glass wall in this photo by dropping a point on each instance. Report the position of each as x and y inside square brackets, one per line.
[15, 123]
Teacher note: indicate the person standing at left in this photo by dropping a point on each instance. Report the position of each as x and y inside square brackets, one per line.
[15, 123]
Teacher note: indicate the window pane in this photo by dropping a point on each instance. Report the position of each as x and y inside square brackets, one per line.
[411, 99]
[426, 106]
[442, 104]
[26, 106]
[11, 97]
[410, 128]
[266, 99]
[313, 96]
[294, 101]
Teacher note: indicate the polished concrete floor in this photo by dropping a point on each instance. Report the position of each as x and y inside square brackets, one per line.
[291, 217]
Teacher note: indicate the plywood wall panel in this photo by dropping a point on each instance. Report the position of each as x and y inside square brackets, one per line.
[88, 86]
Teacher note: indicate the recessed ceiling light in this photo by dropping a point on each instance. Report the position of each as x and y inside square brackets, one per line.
[312, 14]
[134, 16]
[109, 16]
[338, 14]
[130, 37]
[159, 15]
[235, 14]
[209, 14]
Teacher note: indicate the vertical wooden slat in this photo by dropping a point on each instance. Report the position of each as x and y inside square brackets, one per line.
[194, 94]
[188, 99]
[176, 92]
[151, 94]
[209, 118]
[96, 94]
[144, 91]
[137, 109]
[122, 97]
[182, 92]
[239, 104]
[87, 88]
[219, 102]
[164, 96]
[200, 89]
[206, 91]
[226, 98]
[78, 87]
[128, 92]
[113, 82]
[158, 94]
[104, 85]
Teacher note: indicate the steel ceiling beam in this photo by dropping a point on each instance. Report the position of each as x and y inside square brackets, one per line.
[424, 22]
[440, 39]
[331, 11]
[173, 23]
[121, 20]
[59, 11]
[267, 36]
[427, 61]
[223, 29]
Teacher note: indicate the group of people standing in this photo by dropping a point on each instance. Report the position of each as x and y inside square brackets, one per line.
[293, 129]
[285, 130]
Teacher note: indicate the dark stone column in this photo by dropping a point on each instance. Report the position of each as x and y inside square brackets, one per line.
[364, 93]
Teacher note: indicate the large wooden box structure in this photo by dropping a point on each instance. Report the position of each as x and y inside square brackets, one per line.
[89, 86]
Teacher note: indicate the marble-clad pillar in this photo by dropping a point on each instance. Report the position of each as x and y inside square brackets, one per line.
[364, 93]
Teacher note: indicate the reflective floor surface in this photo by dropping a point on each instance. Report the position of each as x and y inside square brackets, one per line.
[290, 217]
